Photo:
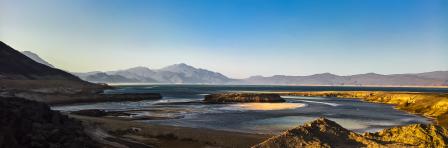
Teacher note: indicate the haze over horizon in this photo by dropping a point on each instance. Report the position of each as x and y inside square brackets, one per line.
[236, 38]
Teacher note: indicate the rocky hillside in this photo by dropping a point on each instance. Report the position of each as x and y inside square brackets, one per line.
[25, 123]
[242, 97]
[415, 135]
[326, 133]
[319, 133]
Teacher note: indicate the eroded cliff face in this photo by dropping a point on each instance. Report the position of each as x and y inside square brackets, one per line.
[326, 133]
[433, 105]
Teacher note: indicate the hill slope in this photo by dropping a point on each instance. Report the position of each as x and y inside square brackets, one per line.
[17, 66]
[19, 73]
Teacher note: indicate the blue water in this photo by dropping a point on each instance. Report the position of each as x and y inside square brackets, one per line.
[180, 105]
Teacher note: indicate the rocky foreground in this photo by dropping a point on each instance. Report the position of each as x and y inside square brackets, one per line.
[26, 123]
[242, 98]
[432, 105]
[326, 133]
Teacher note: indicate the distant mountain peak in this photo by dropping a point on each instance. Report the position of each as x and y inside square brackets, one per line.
[325, 75]
[372, 73]
[182, 64]
[369, 74]
[181, 68]
[139, 68]
[176, 67]
[36, 58]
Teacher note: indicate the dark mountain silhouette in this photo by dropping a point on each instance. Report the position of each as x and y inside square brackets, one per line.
[22, 76]
[15, 65]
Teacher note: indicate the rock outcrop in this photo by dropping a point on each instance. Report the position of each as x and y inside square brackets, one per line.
[415, 135]
[242, 97]
[25, 123]
[326, 133]
[319, 133]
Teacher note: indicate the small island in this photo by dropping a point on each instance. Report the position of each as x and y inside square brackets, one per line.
[243, 98]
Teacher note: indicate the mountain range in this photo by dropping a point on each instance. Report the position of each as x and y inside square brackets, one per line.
[186, 74]
[436, 78]
[177, 73]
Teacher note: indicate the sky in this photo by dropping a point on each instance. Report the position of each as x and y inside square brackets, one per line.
[238, 38]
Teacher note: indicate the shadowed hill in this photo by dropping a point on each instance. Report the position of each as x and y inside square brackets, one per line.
[16, 66]
[21, 74]
[25, 123]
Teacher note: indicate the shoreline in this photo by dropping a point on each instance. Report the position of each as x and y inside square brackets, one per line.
[167, 136]
[58, 99]
[433, 106]
[132, 133]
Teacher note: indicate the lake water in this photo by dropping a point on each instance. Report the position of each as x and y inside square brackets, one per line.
[180, 107]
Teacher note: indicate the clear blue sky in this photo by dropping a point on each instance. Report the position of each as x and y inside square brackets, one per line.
[238, 38]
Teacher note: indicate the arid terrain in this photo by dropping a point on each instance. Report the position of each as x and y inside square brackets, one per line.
[27, 88]
[319, 133]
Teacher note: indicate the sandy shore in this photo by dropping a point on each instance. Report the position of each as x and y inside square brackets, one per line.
[116, 133]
